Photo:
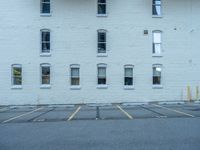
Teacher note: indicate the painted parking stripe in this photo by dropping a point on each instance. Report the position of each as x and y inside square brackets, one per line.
[174, 110]
[28, 113]
[72, 116]
[125, 112]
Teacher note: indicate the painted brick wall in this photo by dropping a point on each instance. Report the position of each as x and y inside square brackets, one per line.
[74, 26]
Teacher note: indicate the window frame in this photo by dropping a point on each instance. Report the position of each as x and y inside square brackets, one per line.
[100, 31]
[154, 5]
[129, 66]
[16, 86]
[41, 75]
[154, 54]
[160, 85]
[48, 51]
[75, 66]
[41, 8]
[101, 14]
[102, 65]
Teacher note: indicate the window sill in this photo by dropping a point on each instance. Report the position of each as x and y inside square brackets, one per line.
[45, 86]
[157, 16]
[102, 15]
[45, 54]
[129, 88]
[102, 86]
[16, 87]
[157, 86]
[45, 14]
[157, 55]
[102, 55]
[75, 87]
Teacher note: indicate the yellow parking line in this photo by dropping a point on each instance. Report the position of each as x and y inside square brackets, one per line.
[174, 110]
[72, 116]
[126, 113]
[13, 118]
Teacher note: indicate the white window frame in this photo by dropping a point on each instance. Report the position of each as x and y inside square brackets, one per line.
[41, 75]
[75, 66]
[160, 66]
[102, 86]
[154, 54]
[41, 6]
[158, 5]
[16, 86]
[129, 66]
[98, 42]
[103, 14]
[48, 52]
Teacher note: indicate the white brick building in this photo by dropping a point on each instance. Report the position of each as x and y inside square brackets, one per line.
[155, 42]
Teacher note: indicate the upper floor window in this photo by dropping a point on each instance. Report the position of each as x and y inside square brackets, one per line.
[156, 7]
[157, 42]
[45, 6]
[75, 75]
[45, 74]
[128, 75]
[101, 41]
[45, 41]
[16, 74]
[101, 76]
[157, 74]
[101, 7]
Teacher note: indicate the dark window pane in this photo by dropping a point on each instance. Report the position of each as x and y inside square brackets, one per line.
[101, 47]
[45, 7]
[45, 71]
[46, 36]
[75, 81]
[45, 47]
[17, 71]
[101, 9]
[101, 81]
[157, 2]
[101, 37]
[156, 80]
[128, 81]
[17, 80]
[101, 1]
[45, 79]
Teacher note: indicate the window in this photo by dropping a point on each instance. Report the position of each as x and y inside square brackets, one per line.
[157, 42]
[101, 41]
[16, 75]
[156, 8]
[128, 75]
[45, 74]
[45, 6]
[75, 75]
[157, 74]
[101, 7]
[101, 77]
[45, 41]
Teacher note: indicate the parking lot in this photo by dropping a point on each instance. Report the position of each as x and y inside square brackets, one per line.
[126, 111]
[128, 126]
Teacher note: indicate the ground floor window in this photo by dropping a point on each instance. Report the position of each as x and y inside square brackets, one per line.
[75, 75]
[16, 74]
[45, 74]
[101, 77]
[157, 74]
